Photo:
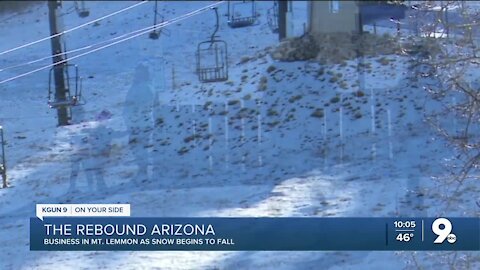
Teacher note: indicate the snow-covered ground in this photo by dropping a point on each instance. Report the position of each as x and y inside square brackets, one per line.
[276, 139]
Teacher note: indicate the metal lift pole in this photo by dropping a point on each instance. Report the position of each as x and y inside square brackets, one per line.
[61, 90]
[282, 19]
[156, 11]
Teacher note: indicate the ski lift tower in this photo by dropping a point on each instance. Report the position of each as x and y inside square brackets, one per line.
[3, 166]
[62, 73]
[59, 61]
[282, 19]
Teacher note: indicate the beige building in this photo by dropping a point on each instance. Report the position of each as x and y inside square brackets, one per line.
[333, 17]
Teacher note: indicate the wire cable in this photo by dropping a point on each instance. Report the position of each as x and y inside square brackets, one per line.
[72, 29]
[141, 32]
[74, 50]
[66, 52]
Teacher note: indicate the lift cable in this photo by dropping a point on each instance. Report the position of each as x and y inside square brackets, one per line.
[70, 51]
[141, 32]
[73, 50]
[72, 29]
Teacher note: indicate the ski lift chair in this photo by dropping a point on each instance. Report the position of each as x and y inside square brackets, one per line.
[241, 14]
[3, 167]
[155, 34]
[272, 17]
[70, 100]
[157, 31]
[212, 58]
[81, 9]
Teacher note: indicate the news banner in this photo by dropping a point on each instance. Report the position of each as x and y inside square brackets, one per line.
[59, 227]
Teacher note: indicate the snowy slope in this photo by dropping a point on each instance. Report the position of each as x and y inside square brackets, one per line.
[232, 148]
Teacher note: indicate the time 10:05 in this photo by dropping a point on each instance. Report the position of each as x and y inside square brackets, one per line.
[404, 224]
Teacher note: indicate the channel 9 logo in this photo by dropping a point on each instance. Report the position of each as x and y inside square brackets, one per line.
[442, 227]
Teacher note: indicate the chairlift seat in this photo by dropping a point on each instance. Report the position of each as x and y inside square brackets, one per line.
[212, 61]
[238, 17]
[156, 31]
[241, 22]
[272, 18]
[72, 101]
[216, 74]
[72, 81]
[83, 13]
[81, 9]
[154, 35]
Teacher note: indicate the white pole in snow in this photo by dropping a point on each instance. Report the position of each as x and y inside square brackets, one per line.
[259, 129]
[341, 124]
[325, 146]
[226, 135]
[341, 132]
[390, 146]
[194, 127]
[372, 107]
[210, 143]
[372, 118]
[454, 101]
[242, 123]
[389, 123]
[325, 125]
[259, 138]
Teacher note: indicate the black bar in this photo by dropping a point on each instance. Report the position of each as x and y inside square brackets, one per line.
[282, 19]
[58, 69]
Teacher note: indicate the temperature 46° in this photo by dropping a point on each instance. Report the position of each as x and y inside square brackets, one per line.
[404, 237]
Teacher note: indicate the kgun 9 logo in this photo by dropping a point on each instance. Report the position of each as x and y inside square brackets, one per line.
[442, 227]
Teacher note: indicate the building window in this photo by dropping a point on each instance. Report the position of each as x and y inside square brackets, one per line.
[334, 6]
